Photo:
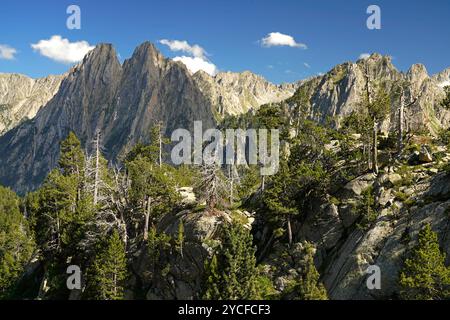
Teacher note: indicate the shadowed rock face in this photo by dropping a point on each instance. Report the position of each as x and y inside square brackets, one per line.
[123, 102]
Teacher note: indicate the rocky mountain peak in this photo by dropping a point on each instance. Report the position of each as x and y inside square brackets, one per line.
[417, 73]
[147, 56]
[443, 78]
[99, 68]
[237, 92]
[379, 66]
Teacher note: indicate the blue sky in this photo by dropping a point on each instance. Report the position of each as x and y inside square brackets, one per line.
[231, 31]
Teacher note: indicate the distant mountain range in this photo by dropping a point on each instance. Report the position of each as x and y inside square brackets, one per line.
[123, 101]
[21, 97]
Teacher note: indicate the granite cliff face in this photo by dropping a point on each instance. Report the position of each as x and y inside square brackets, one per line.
[232, 93]
[21, 97]
[122, 102]
[338, 93]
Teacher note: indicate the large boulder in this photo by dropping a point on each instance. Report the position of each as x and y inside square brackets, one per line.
[425, 155]
[358, 185]
[178, 274]
[385, 243]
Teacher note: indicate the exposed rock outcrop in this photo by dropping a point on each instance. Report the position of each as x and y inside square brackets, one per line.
[345, 248]
[231, 93]
[338, 93]
[122, 102]
[21, 97]
[183, 271]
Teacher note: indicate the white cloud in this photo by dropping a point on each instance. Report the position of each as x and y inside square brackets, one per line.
[280, 39]
[196, 59]
[195, 64]
[307, 65]
[364, 56]
[184, 46]
[62, 50]
[7, 52]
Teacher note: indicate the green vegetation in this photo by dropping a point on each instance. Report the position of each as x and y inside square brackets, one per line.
[424, 275]
[109, 270]
[366, 208]
[309, 286]
[16, 241]
[232, 274]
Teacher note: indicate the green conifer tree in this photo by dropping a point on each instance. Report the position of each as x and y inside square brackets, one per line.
[279, 198]
[310, 288]
[424, 275]
[71, 158]
[109, 270]
[232, 272]
[16, 241]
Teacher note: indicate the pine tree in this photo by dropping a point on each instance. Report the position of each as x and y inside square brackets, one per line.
[71, 158]
[153, 152]
[152, 191]
[213, 281]
[16, 241]
[60, 210]
[279, 198]
[232, 272]
[64, 205]
[310, 288]
[424, 275]
[109, 270]
[180, 238]
[212, 186]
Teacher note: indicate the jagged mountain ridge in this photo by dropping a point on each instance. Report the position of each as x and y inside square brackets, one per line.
[21, 97]
[99, 94]
[123, 101]
[338, 93]
[232, 93]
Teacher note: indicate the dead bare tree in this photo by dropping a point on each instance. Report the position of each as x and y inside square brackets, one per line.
[112, 210]
[373, 150]
[401, 118]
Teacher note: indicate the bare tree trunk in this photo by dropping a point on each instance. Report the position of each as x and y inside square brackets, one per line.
[230, 175]
[147, 219]
[58, 233]
[97, 168]
[43, 287]
[160, 145]
[369, 155]
[401, 122]
[289, 229]
[263, 183]
[375, 147]
[115, 283]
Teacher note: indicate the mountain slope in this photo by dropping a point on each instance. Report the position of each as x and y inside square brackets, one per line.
[99, 94]
[21, 97]
[232, 93]
[338, 93]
